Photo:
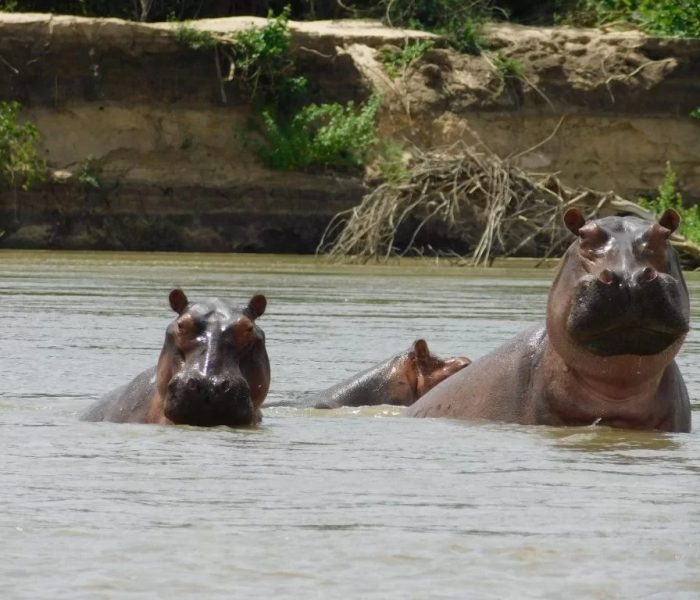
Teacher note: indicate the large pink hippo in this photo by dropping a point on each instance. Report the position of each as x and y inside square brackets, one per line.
[616, 318]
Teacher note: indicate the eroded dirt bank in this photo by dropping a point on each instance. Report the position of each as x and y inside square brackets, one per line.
[170, 138]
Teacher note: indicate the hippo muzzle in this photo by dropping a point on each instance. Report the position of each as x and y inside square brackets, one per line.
[638, 314]
[206, 401]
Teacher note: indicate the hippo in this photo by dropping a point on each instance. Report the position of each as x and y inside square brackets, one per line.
[617, 316]
[213, 370]
[400, 381]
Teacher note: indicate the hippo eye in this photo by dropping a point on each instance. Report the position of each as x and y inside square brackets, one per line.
[593, 237]
[186, 326]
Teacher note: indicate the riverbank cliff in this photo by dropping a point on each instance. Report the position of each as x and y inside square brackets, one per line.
[165, 137]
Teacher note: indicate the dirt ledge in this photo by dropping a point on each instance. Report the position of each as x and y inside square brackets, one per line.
[151, 111]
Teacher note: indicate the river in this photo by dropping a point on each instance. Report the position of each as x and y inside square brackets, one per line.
[360, 503]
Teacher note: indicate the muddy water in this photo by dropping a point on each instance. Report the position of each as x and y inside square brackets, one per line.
[336, 504]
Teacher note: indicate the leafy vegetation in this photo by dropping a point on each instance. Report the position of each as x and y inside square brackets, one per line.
[675, 18]
[460, 22]
[20, 163]
[396, 60]
[258, 57]
[89, 173]
[507, 67]
[194, 38]
[669, 197]
[695, 113]
[320, 135]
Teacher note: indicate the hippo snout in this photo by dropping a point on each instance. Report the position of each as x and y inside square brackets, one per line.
[198, 399]
[642, 312]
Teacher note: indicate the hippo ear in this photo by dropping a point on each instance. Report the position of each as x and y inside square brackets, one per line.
[574, 220]
[257, 305]
[420, 349]
[670, 220]
[178, 300]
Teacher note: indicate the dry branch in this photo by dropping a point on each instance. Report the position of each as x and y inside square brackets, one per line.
[488, 202]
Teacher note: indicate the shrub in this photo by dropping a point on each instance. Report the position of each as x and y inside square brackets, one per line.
[669, 197]
[258, 56]
[396, 60]
[338, 135]
[196, 39]
[20, 163]
[507, 67]
[460, 22]
[675, 18]
[89, 173]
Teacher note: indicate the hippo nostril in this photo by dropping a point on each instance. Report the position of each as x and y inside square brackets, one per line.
[223, 386]
[606, 276]
[192, 384]
[648, 274]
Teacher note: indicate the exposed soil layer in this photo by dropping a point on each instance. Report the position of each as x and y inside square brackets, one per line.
[171, 139]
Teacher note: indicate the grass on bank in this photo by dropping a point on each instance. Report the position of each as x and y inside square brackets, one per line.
[667, 197]
[21, 165]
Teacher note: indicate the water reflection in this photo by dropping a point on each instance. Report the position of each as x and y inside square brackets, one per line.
[596, 438]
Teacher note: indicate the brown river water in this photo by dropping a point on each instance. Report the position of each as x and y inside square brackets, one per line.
[361, 503]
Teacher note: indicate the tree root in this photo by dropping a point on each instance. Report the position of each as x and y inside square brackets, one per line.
[497, 208]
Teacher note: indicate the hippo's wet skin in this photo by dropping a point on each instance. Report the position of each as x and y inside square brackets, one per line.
[616, 318]
[213, 370]
[401, 380]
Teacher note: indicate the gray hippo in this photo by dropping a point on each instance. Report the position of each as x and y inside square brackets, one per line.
[617, 316]
[213, 370]
[400, 380]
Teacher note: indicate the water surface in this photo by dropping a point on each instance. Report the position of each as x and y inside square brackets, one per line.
[347, 503]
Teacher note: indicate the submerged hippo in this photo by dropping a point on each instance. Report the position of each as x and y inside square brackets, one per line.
[213, 370]
[401, 380]
[616, 318]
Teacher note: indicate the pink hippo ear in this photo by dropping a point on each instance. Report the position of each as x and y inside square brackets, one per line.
[421, 352]
[670, 220]
[574, 220]
[178, 300]
[257, 305]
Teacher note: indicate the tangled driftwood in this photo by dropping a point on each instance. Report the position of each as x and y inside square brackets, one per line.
[495, 206]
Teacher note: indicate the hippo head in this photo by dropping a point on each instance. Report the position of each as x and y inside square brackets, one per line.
[619, 290]
[214, 369]
[426, 370]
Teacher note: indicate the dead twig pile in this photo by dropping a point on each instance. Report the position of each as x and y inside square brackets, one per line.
[495, 207]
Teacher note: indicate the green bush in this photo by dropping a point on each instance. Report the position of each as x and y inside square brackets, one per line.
[335, 135]
[396, 60]
[89, 173]
[259, 56]
[507, 67]
[669, 197]
[258, 59]
[20, 163]
[196, 39]
[673, 18]
[460, 22]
